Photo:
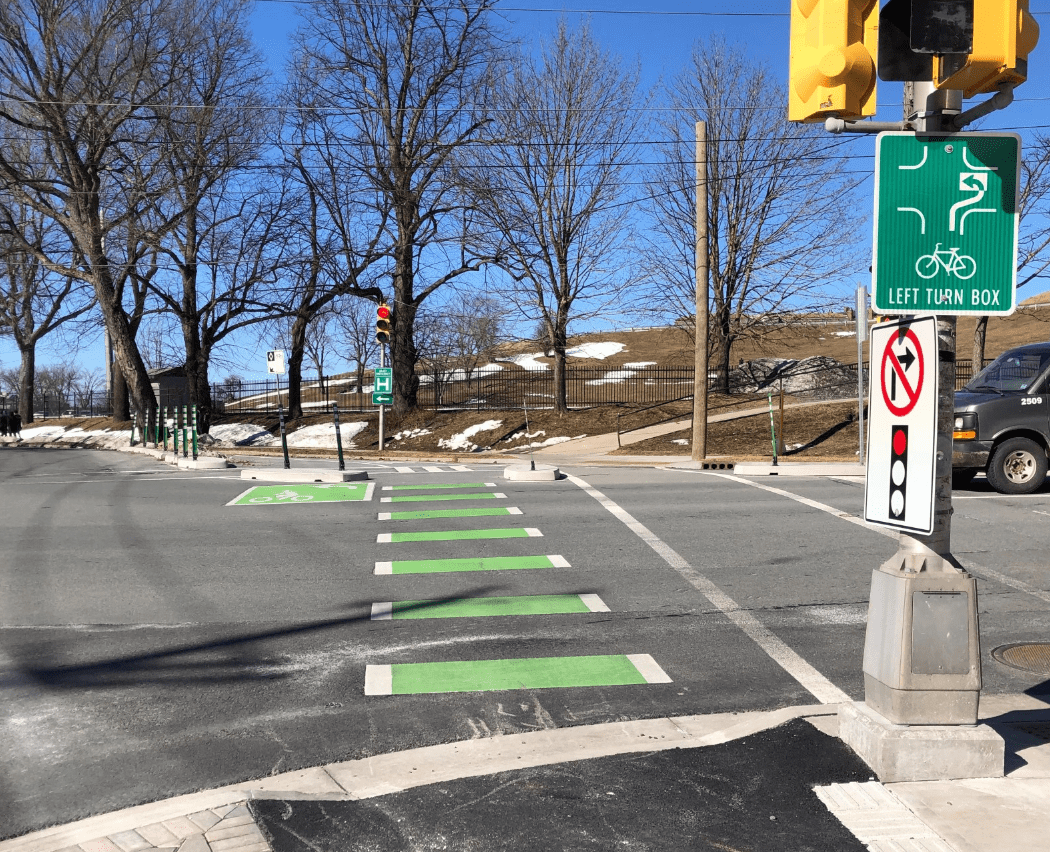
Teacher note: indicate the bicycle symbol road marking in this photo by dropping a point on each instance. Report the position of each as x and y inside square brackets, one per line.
[962, 266]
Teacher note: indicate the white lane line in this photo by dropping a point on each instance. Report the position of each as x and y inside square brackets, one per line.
[379, 680]
[1020, 585]
[383, 611]
[533, 532]
[433, 469]
[384, 568]
[385, 538]
[514, 510]
[825, 691]
[594, 603]
[403, 470]
[813, 504]
[649, 668]
[972, 567]
[559, 561]
[462, 468]
[384, 516]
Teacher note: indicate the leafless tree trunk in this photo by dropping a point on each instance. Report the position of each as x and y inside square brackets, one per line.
[34, 302]
[407, 77]
[80, 80]
[550, 184]
[779, 221]
[208, 133]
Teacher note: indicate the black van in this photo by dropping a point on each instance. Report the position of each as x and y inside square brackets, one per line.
[1002, 422]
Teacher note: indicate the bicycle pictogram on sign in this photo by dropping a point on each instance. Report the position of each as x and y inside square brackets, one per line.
[902, 372]
[962, 266]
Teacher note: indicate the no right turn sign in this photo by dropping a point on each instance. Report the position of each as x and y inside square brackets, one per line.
[902, 425]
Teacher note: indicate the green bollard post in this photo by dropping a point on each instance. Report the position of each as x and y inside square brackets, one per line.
[164, 426]
[185, 429]
[134, 426]
[193, 429]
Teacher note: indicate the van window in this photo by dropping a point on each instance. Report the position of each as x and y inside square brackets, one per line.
[1011, 371]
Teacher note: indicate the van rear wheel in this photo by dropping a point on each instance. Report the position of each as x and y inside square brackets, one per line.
[1017, 466]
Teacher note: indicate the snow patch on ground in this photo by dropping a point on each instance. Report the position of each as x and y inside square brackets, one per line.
[323, 435]
[461, 441]
[410, 433]
[627, 371]
[598, 350]
[243, 435]
[682, 441]
[528, 361]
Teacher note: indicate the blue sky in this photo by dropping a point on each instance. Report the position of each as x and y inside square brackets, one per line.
[659, 35]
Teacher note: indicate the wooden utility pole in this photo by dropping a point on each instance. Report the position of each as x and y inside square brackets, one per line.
[702, 310]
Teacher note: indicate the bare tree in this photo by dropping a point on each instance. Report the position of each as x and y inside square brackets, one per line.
[80, 81]
[550, 187]
[779, 224]
[407, 77]
[208, 135]
[356, 321]
[33, 301]
[476, 323]
[1033, 240]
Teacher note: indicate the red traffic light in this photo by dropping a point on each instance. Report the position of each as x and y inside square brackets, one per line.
[383, 323]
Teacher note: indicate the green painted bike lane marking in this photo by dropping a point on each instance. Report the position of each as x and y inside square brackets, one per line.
[433, 486]
[484, 563]
[277, 495]
[533, 673]
[472, 607]
[459, 535]
[427, 498]
[425, 514]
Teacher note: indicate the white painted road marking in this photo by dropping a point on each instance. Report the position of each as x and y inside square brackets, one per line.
[825, 691]
[972, 567]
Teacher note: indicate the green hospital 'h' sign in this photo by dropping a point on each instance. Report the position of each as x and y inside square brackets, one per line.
[946, 223]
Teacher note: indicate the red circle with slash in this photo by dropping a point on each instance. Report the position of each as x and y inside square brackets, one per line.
[898, 375]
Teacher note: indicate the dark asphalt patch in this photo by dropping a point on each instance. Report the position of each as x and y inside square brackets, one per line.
[749, 795]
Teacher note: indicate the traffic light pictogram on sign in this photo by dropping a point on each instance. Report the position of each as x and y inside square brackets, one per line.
[1004, 33]
[899, 472]
[383, 317]
[834, 44]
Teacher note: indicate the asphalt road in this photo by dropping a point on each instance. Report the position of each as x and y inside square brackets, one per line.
[155, 641]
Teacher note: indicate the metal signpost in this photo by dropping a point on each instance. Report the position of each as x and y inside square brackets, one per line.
[275, 365]
[946, 223]
[945, 243]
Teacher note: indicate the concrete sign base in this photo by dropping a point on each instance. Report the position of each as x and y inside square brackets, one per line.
[921, 752]
[530, 473]
[303, 474]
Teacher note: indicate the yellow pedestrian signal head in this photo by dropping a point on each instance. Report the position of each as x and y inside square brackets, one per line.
[1004, 33]
[383, 316]
[833, 48]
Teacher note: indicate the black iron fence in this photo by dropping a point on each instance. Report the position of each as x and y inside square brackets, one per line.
[50, 405]
[586, 387]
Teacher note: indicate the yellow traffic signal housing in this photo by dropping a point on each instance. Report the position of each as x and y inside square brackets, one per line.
[1004, 33]
[383, 318]
[833, 48]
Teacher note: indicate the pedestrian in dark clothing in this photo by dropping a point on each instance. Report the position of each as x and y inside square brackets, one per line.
[14, 424]
[3, 424]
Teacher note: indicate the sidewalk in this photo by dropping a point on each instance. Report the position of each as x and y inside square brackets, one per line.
[818, 790]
